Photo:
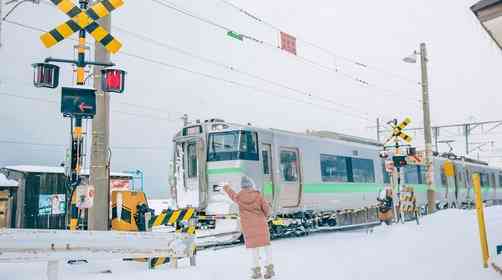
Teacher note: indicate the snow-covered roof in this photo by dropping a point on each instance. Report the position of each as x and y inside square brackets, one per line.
[4, 182]
[53, 169]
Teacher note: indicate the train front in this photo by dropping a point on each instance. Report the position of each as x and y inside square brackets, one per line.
[206, 155]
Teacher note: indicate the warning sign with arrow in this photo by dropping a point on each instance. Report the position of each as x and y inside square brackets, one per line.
[79, 102]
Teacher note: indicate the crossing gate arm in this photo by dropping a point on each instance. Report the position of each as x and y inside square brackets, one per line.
[53, 246]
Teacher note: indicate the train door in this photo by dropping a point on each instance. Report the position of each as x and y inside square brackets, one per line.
[188, 172]
[290, 177]
[268, 185]
[5, 208]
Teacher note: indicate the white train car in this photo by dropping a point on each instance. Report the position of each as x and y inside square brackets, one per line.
[302, 173]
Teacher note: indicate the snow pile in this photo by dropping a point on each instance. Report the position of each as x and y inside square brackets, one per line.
[445, 246]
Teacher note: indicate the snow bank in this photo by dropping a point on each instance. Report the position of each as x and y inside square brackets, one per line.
[444, 246]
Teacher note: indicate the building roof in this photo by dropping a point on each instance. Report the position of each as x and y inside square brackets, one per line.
[53, 169]
[484, 4]
[4, 182]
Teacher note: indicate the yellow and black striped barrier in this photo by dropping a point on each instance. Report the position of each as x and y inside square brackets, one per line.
[184, 221]
[84, 20]
[408, 200]
[172, 217]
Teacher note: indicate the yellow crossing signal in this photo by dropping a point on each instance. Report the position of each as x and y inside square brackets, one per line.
[84, 20]
[398, 130]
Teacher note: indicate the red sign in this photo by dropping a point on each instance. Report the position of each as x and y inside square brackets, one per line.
[288, 43]
[119, 185]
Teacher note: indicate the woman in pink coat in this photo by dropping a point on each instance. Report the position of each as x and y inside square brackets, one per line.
[254, 211]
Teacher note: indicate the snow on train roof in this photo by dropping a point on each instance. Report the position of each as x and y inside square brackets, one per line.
[53, 169]
[4, 182]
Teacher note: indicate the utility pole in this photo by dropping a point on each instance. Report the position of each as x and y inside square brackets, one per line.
[467, 131]
[378, 129]
[427, 129]
[185, 119]
[100, 168]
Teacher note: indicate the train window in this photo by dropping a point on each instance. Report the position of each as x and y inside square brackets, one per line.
[411, 175]
[444, 180]
[192, 160]
[265, 159]
[232, 145]
[386, 177]
[289, 166]
[500, 181]
[485, 179]
[363, 170]
[334, 169]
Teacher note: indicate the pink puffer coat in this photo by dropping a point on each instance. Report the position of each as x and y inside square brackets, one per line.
[253, 210]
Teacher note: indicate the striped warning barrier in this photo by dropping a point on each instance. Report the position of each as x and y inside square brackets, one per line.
[172, 217]
[184, 221]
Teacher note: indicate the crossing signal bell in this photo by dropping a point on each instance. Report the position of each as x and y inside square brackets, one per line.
[45, 75]
[113, 80]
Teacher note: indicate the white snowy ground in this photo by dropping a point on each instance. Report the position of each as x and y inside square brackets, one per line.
[444, 246]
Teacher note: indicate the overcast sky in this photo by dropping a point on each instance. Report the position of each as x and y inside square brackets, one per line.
[465, 68]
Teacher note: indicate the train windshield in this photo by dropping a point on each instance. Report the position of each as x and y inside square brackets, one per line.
[232, 145]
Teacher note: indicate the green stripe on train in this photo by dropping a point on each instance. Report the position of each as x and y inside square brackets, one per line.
[344, 188]
[226, 170]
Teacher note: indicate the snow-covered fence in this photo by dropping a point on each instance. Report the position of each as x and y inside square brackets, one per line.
[53, 246]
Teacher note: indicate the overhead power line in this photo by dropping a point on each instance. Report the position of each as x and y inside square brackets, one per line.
[243, 85]
[317, 46]
[336, 70]
[230, 68]
[236, 83]
[62, 146]
[154, 117]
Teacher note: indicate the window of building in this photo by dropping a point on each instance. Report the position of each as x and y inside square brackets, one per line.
[289, 166]
[363, 170]
[334, 169]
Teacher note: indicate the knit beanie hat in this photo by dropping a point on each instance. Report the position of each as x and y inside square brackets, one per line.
[247, 182]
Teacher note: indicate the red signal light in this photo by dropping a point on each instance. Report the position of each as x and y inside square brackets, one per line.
[112, 80]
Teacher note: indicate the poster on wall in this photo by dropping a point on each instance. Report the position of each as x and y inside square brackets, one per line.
[51, 204]
[119, 185]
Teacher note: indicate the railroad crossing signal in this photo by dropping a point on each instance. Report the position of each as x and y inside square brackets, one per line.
[398, 130]
[84, 20]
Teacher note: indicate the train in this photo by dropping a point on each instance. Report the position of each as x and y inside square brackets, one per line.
[313, 179]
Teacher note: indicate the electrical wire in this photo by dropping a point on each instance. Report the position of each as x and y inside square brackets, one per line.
[336, 70]
[240, 84]
[323, 49]
[14, 142]
[154, 117]
[229, 67]
[210, 76]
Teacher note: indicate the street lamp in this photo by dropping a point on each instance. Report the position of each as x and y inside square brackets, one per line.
[489, 14]
[427, 121]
